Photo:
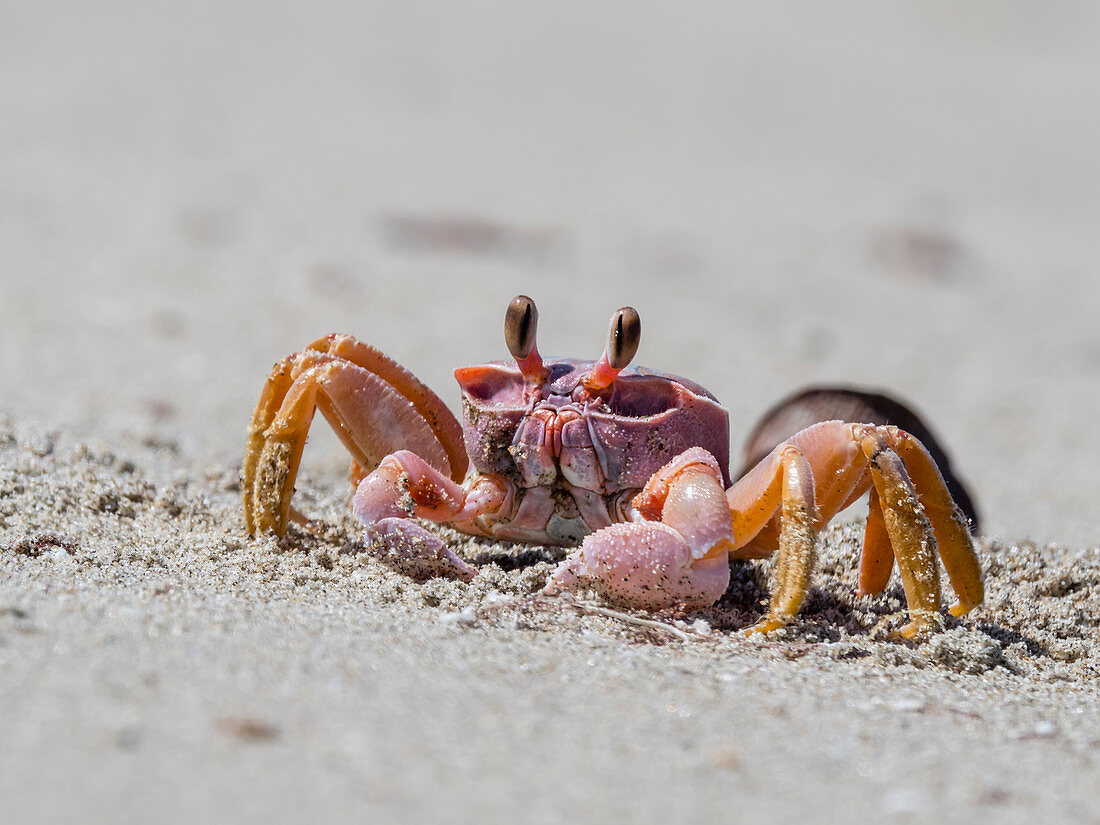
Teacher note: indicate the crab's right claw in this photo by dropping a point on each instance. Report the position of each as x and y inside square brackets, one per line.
[677, 557]
[373, 403]
[404, 486]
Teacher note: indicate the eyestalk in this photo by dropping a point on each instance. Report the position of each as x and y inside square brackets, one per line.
[623, 337]
[521, 322]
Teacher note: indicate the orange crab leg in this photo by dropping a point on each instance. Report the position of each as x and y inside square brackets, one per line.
[797, 541]
[267, 499]
[785, 482]
[429, 405]
[838, 480]
[374, 405]
[271, 398]
[956, 547]
[877, 559]
[351, 398]
[911, 517]
[910, 532]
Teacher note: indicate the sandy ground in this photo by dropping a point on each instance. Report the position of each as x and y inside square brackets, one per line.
[901, 198]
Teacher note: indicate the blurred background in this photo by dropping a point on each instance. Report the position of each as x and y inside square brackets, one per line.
[900, 196]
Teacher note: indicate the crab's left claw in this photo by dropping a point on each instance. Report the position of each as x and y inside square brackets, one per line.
[374, 404]
[677, 556]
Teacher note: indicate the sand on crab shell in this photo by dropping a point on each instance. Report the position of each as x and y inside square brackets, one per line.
[197, 669]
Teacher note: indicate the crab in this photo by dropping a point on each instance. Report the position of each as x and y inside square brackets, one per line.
[630, 463]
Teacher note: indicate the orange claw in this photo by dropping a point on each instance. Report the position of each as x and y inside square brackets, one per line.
[374, 405]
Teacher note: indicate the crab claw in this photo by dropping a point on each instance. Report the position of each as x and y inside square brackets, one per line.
[410, 549]
[682, 560]
[645, 565]
[404, 485]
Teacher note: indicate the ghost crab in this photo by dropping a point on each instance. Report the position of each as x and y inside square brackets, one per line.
[631, 462]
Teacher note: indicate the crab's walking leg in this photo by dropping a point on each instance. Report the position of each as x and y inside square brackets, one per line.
[374, 405]
[405, 486]
[785, 482]
[681, 560]
[271, 398]
[949, 522]
[911, 517]
[816, 404]
[877, 559]
[910, 531]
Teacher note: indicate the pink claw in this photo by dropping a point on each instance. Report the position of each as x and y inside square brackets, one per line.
[644, 565]
[417, 553]
[402, 486]
[681, 560]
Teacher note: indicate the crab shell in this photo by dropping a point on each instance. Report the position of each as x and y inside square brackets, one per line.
[606, 442]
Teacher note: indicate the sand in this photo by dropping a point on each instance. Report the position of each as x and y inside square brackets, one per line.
[899, 198]
[158, 664]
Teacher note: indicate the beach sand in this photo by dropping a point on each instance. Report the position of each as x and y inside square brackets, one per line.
[899, 199]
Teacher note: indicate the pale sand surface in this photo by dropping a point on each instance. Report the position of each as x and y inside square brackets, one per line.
[896, 198]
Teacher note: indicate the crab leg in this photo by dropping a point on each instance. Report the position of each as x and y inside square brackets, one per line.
[682, 559]
[816, 404]
[374, 405]
[911, 516]
[910, 531]
[948, 521]
[789, 485]
[877, 559]
[271, 398]
[271, 467]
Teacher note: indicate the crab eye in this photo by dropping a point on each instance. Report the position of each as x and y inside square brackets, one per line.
[623, 337]
[622, 343]
[520, 324]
